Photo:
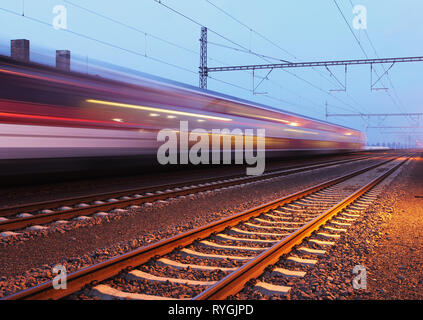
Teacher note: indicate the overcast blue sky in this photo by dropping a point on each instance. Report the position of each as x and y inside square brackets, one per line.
[308, 30]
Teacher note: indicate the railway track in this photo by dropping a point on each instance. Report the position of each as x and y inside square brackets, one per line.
[33, 215]
[217, 260]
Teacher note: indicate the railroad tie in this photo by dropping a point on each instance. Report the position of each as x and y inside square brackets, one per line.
[140, 275]
[341, 224]
[321, 242]
[271, 289]
[269, 227]
[328, 235]
[306, 262]
[311, 251]
[228, 237]
[334, 229]
[222, 246]
[258, 233]
[213, 255]
[105, 292]
[179, 265]
[287, 273]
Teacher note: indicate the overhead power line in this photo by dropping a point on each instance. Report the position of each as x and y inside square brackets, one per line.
[173, 44]
[252, 52]
[245, 51]
[269, 41]
[145, 55]
[295, 58]
[139, 30]
[251, 29]
[349, 27]
[365, 53]
[211, 30]
[284, 66]
[383, 67]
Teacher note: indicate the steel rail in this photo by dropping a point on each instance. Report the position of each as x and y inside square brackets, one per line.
[106, 269]
[42, 218]
[104, 195]
[235, 281]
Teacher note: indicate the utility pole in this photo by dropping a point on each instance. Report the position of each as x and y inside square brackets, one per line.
[203, 72]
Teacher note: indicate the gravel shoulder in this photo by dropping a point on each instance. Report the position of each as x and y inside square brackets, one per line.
[386, 240]
[396, 263]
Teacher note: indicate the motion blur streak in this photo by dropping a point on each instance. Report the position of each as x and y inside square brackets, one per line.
[46, 113]
[29, 116]
[124, 105]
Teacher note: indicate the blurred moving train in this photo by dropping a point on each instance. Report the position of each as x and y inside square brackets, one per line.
[46, 113]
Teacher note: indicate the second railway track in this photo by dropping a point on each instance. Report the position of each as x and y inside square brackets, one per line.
[217, 260]
[29, 215]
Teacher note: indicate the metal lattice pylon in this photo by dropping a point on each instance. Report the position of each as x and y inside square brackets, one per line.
[203, 72]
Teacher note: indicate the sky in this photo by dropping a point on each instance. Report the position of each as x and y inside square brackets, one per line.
[147, 36]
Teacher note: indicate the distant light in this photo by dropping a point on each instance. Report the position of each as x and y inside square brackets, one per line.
[294, 124]
[132, 106]
[154, 115]
[117, 120]
[201, 120]
[348, 134]
[171, 117]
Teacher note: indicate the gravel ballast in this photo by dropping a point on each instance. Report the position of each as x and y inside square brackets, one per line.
[386, 240]
[95, 242]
